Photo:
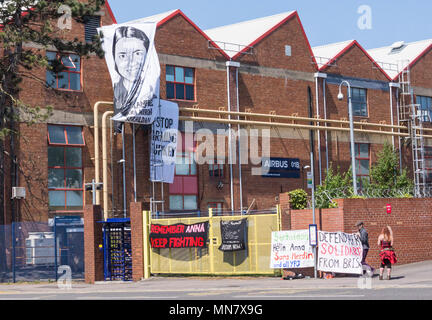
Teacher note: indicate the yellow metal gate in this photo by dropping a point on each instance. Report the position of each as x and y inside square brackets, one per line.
[255, 259]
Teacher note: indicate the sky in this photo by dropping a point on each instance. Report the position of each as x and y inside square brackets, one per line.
[373, 24]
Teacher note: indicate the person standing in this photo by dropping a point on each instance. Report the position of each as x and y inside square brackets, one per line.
[364, 238]
[387, 253]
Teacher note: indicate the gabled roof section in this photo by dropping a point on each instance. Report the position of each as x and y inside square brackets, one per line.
[240, 37]
[164, 17]
[110, 12]
[331, 52]
[400, 55]
[324, 54]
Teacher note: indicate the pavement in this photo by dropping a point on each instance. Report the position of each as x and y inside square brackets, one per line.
[411, 281]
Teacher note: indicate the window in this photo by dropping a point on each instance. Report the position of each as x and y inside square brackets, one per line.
[359, 102]
[183, 192]
[216, 169]
[425, 108]
[428, 164]
[180, 83]
[91, 23]
[216, 206]
[68, 76]
[362, 160]
[65, 168]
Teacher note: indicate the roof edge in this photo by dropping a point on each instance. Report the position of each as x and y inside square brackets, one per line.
[349, 46]
[265, 35]
[179, 12]
[110, 12]
[423, 53]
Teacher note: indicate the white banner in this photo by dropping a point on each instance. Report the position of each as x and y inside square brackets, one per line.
[164, 142]
[134, 67]
[290, 249]
[339, 252]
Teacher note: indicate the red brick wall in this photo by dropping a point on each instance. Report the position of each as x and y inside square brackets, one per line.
[410, 219]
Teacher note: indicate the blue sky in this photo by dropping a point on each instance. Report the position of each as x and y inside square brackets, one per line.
[325, 21]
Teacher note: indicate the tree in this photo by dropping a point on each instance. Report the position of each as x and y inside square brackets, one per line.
[386, 176]
[39, 23]
[335, 185]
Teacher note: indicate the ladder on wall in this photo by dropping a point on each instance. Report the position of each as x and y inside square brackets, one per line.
[412, 117]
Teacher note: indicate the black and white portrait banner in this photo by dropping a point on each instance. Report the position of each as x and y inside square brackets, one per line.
[164, 142]
[134, 67]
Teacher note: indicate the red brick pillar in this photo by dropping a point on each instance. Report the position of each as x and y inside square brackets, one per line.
[136, 216]
[93, 237]
[285, 211]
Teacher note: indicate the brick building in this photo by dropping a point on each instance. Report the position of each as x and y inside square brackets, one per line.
[263, 67]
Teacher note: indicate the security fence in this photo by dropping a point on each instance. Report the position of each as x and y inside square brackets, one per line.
[34, 251]
[254, 258]
[324, 198]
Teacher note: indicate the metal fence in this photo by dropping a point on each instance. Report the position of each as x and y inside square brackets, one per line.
[255, 259]
[33, 251]
[325, 198]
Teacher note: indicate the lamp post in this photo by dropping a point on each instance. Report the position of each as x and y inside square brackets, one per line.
[340, 97]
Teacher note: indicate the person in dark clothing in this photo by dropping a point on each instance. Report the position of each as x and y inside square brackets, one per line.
[364, 238]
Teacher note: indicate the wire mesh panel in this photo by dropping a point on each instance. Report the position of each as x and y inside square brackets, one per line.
[254, 259]
[117, 250]
[34, 251]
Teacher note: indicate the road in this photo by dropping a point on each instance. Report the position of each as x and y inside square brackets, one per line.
[410, 282]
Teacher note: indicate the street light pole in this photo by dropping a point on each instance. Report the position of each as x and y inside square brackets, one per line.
[353, 165]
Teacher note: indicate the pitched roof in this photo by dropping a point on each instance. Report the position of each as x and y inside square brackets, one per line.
[239, 37]
[398, 56]
[324, 54]
[160, 17]
[335, 50]
[164, 17]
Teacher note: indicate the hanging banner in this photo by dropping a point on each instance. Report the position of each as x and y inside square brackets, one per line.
[163, 149]
[134, 67]
[291, 249]
[179, 235]
[233, 234]
[339, 252]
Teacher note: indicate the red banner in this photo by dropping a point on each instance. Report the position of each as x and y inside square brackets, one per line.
[179, 235]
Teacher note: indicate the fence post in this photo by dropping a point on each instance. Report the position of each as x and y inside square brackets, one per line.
[211, 248]
[146, 255]
[278, 214]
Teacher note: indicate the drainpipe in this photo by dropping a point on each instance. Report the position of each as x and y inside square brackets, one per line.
[318, 132]
[392, 85]
[228, 63]
[96, 142]
[105, 163]
[317, 76]
[239, 140]
[325, 117]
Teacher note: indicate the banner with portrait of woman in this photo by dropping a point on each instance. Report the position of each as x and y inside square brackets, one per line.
[134, 67]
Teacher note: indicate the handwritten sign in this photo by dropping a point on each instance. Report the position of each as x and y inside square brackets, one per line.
[339, 252]
[291, 249]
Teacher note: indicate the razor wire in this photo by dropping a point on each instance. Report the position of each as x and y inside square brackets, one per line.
[324, 198]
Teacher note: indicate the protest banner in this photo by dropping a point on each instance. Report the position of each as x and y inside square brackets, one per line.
[134, 68]
[179, 235]
[291, 249]
[233, 234]
[339, 252]
[164, 142]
